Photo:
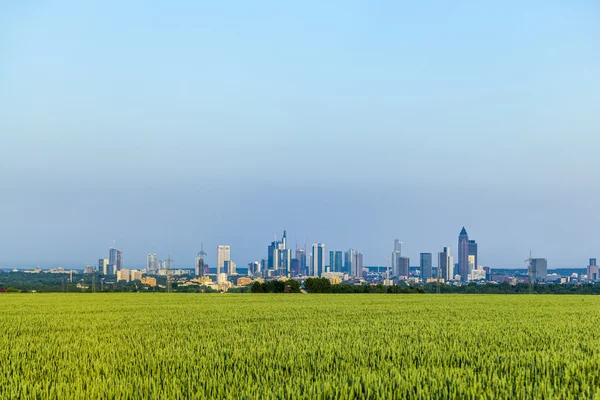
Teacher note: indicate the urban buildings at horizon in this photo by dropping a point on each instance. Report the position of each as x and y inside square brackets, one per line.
[344, 265]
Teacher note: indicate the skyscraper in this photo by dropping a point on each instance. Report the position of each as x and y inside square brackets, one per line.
[318, 259]
[115, 257]
[353, 263]
[465, 248]
[473, 253]
[445, 265]
[538, 269]
[152, 264]
[403, 267]
[279, 256]
[301, 257]
[425, 265]
[103, 266]
[395, 254]
[592, 271]
[200, 263]
[223, 254]
[336, 261]
[285, 261]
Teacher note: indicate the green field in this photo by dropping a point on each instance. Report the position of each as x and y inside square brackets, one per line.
[298, 346]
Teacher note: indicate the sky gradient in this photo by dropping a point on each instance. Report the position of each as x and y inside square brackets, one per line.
[161, 125]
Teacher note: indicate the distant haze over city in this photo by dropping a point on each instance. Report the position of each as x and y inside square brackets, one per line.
[349, 124]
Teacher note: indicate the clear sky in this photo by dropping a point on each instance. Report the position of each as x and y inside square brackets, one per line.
[161, 125]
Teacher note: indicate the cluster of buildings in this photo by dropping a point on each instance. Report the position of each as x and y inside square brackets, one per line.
[281, 262]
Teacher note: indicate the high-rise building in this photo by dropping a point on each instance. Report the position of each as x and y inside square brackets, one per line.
[301, 257]
[285, 262]
[200, 262]
[152, 264]
[395, 255]
[103, 266]
[426, 265]
[538, 269]
[336, 261]
[253, 268]
[353, 263]
[592, 271]
[403, 267]
[229, 267]
[318, 259]
[473, 253]
[466, 247]
[279, 257]
[115, 257]
[445, 265]
[358, 270]
[223, 254]
[472, 264]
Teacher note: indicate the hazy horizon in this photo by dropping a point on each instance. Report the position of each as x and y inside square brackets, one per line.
[347, 123]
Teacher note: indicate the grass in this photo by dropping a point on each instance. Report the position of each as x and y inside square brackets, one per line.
[57, 346]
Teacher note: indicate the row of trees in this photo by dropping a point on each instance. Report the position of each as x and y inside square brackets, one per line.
[289, 286]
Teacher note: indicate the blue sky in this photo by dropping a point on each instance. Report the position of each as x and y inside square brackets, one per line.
[161, 125]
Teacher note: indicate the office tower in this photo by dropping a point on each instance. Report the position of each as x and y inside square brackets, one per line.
[336, 261]
[538, 269]
[472, 264]
[353, 263]
[264, 267]
[229, 267]
[223, 254]
[473, 252]
[592, 271]
[301, 257]
[403, 267]
[395, 255]
[445, 265]
[103, 266]
[349, 262]
[111, 269]
[273, 255]
[253, 268]
[318, 259]
[463, 254]
[115, 257]
[426, 262]
[279, 256]
[200, 262]
[152, 264]
[358, 270]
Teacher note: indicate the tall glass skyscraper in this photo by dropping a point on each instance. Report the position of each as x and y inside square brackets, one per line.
[466, 248]
[115, 258]
[318, 259]
[425, 266]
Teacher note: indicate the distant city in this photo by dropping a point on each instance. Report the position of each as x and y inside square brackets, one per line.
[338, 266]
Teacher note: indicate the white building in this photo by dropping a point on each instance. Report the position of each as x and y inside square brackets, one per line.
[318, 259]
[223, 254]
[152, 264]
[477, 274]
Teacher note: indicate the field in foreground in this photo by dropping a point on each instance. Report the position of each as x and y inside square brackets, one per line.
[298, 346]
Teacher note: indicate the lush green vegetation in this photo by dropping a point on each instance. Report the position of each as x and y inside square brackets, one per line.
[158, 345]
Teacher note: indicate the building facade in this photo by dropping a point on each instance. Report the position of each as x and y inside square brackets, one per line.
[223, 254]
[426, 266]
[318, 259]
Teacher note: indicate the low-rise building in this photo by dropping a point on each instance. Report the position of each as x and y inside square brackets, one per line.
[148, 280]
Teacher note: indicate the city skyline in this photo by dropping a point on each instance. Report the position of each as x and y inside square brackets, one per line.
[348, 123]
[278, 257]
